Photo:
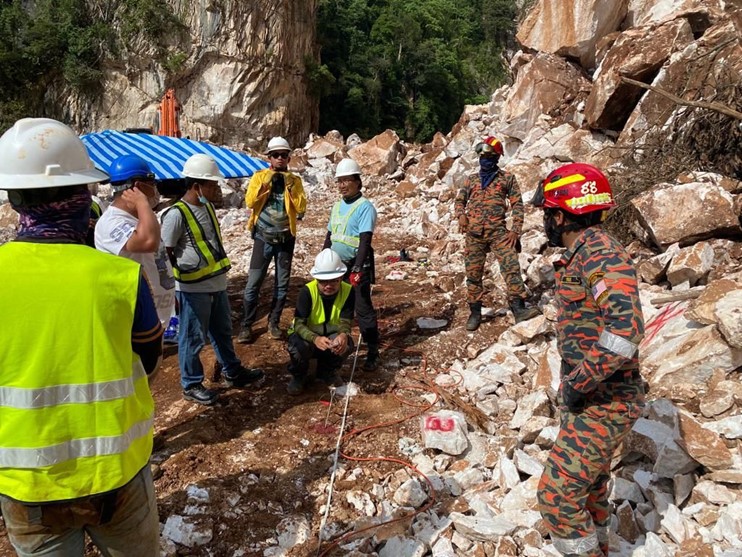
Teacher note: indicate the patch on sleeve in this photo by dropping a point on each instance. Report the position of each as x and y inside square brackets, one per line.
[571, 280]
[595, 277]
[599, 290]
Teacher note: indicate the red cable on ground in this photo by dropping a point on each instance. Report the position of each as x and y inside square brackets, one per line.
[356, 432]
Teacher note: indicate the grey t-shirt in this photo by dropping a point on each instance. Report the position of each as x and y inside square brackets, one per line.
[175, 236]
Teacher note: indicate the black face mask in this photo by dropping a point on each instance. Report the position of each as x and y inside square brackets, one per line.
[553, 231]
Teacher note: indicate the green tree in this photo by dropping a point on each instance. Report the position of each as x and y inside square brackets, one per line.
[409, 65]
[44, 43]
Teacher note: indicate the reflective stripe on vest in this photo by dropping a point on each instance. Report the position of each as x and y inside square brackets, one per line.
[214, 261]
[75, 406]
[73, 449]
[317, 322]
[339, 223]
[69, 394]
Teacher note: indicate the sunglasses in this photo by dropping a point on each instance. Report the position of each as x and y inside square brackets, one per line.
[282, 155]
[485, 150]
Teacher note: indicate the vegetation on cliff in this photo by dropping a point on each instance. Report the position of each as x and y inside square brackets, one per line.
[41, 44]
[409, 65]
[48, 43]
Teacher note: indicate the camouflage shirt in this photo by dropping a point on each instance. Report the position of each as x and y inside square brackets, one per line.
[486, 208]
[599, 322]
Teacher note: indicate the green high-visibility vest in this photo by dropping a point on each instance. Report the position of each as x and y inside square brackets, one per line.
[317, 321]
[213, 259]
[75, 406]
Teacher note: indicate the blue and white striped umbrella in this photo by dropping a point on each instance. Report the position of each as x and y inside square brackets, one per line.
[165, 155]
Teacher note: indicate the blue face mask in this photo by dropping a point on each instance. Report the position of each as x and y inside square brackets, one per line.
[487, 170]
[201, 197]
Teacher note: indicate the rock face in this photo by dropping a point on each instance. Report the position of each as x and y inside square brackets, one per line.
[571, 29]
[543, 86]
[642, 12]
[688, 74]
[637, 54]
[241, 81]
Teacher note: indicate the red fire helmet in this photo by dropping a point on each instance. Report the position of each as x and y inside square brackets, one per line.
[577, 188]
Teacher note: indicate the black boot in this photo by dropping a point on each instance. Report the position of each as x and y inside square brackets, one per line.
[521, 312]
[372, 358]
[475, 318]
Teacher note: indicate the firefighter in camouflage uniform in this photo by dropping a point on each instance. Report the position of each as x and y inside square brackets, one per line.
[481, 208]
[599, 327]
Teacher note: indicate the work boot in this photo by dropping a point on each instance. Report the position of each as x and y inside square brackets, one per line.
[296, 385]
[200, 394]
[243, 376]
[333, 379]
[372, 358]
[521, 312]
[245, 336]
[475, 317]
[275, 331]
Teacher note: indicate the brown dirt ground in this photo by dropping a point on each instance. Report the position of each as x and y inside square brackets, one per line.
[265, 455]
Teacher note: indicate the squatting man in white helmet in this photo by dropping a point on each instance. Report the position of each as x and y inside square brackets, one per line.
[191, 234]
[349, 234]
[277, 200]
[80, 340]
[322, 321]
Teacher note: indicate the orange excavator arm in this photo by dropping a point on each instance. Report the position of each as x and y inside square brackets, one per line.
[169, 115]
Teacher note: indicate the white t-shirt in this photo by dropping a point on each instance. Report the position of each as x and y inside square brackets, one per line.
[113, 230]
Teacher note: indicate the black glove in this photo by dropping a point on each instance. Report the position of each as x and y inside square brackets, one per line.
[573, 399]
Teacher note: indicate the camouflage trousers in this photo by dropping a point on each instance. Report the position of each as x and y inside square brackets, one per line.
[475, 257]
[573, 491]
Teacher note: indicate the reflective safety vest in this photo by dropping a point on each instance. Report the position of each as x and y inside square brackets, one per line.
[95, 210]
[75, 406]
[317, 321]
[213, 260]
[339, 223]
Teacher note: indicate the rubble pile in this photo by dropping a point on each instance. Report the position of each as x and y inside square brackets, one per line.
[677, 481]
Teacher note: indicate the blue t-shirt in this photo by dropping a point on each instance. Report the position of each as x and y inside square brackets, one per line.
[362, 220]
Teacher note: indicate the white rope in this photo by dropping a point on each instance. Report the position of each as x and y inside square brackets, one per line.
[337, 447]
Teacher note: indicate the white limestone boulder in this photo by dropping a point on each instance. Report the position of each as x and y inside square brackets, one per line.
[686, 213]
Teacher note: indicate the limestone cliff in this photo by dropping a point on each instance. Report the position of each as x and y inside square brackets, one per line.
[238, 68]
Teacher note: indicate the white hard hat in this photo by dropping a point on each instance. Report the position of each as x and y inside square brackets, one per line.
[277, 144]
[202, 167]
[347, 167]
[328, 266]
[43, 153]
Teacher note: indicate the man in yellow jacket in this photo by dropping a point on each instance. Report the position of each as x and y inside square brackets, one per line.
[80, 339]
[276, 198]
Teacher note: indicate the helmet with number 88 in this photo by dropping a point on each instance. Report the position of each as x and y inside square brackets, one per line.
[577, 188]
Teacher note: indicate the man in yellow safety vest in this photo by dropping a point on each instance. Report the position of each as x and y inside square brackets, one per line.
[192, 237]
[321, 328]
[80, 339]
